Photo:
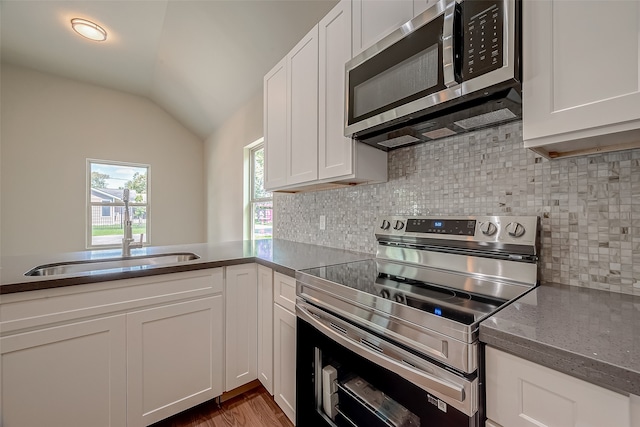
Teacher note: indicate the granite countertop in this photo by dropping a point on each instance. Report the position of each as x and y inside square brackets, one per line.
[282, 255]
[589, 334]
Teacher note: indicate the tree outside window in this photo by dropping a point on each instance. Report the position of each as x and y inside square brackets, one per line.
[261, 201]
[105, 214]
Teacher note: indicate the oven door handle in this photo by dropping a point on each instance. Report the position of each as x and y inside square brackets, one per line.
[414, 374]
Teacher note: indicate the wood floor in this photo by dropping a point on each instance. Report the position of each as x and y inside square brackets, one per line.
[254, 408]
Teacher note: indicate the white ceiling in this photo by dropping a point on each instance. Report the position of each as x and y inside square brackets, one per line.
[198, 59]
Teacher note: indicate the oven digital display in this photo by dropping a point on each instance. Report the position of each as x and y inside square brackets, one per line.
[459, 227]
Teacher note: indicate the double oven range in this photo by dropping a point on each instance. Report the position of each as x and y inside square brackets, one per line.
[393, 341]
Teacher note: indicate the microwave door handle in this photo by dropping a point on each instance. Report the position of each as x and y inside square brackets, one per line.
[422, 379]
[448, 51]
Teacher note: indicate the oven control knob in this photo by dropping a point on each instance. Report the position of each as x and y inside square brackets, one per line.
[399, 298]
[515, 229]
[399, 225]
[385, 294]
[488, 228]
[385, 225]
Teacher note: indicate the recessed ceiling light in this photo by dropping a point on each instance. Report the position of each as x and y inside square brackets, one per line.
[89, 29]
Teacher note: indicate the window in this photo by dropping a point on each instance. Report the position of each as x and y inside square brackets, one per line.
[260, 200]
[106, 182]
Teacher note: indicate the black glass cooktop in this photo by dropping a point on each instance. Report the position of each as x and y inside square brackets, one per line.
[434, 297]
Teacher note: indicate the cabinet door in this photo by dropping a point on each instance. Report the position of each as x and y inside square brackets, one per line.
[284, 357]
[523, 394]
[302, 97]
[420, 6]
[275, 126]
[374, 19]
[241, 335]
[335, 151]
[70, 375]
[174, 358]
[581, 72]
[265, 327]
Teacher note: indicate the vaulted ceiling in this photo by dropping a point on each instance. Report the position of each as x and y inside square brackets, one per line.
[200, 60]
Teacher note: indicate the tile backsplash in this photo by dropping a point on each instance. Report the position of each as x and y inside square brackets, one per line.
[589, 206]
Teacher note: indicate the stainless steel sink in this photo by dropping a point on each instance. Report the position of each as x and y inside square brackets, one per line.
[103, 266]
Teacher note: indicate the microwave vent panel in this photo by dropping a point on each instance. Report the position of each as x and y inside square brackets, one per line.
[401, 140]
[486, 119]
[439, 133]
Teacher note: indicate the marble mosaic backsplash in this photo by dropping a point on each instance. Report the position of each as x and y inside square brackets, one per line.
[589, 206]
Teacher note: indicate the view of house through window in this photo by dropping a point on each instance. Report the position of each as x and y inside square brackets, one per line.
[106, 211]
[261, 201]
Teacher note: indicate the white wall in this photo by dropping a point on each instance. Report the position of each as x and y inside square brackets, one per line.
[51, 125]
[224, 161]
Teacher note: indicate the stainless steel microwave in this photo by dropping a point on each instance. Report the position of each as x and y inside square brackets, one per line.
[452, 69]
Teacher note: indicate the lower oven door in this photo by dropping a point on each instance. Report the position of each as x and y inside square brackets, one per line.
[349, 377]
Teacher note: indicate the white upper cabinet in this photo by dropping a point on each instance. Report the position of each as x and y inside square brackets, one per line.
[335, 150]
[581, 76]
[275, 125]
[302, 100]
[291, 116]
[374, 19]
[420, 6]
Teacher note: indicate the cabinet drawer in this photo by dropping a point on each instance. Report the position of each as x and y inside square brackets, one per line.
[32, 309]
[284, 292]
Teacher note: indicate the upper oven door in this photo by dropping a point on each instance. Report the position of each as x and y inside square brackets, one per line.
[411, 69]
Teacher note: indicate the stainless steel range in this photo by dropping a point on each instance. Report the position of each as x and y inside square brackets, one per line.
[393, 341]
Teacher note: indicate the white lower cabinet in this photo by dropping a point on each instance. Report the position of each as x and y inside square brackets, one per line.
[241, 325]
[69, 375]
[521, 393]
[174, 358]
[284, 356]
[123, 353]
[133, 352]
[265, 327]
[277, 338]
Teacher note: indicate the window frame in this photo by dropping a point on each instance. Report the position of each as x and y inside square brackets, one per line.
[132, 205]
[251, 201]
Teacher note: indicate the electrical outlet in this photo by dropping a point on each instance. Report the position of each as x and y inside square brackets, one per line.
[323, 222]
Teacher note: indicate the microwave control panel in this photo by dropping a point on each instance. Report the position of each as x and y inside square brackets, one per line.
[483, 37]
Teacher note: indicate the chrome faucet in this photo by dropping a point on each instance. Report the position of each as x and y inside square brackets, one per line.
[127, 240]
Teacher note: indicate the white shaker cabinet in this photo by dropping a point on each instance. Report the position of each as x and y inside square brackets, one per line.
[275, 126]
[304, 101]
[335, 151]
[302, 118]
[265, 327]
[241, 325]
[291, 116]
[340, 158]
[374, 19]
[68, 375]
[521, 393]
[420, 6]
[174, 358]
[284, 344]
[581, 76]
